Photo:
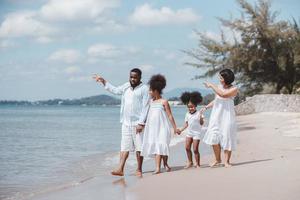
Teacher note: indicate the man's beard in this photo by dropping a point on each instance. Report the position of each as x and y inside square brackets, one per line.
[134, 84]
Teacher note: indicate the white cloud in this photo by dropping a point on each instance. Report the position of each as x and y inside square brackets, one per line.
[105, 25]
[24, 23]
[110, 51]
[147, 16]
[5, 44]
[71, 10]
[166, 54]
[228, 34]
[72, 70]
[146, 67]
[103, 50]
[65, 55]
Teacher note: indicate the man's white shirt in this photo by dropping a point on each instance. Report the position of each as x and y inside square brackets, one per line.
[134, 102]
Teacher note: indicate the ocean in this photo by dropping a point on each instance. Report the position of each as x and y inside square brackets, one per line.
[45, 148]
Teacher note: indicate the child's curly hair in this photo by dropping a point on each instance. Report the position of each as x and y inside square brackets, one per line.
[157, 82]
[193, 97]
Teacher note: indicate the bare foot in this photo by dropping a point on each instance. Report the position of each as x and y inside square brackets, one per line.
[197, 166]
[156, 172]
[216, 164]
[117, 173]
[168, 168]
[138, 173]
[189, 165]
[228, 164]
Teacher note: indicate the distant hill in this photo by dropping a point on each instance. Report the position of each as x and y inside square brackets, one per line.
[178, 91]
[103, 99]
[93, 100]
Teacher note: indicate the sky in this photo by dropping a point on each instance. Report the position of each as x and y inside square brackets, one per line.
[51, 48]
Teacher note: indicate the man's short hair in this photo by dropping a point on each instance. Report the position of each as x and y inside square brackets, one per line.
[137, 70]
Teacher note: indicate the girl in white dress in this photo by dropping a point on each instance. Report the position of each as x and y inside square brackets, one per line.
[193, 123]
[158, 128]
[221, 131]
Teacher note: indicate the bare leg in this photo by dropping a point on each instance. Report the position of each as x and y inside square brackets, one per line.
[157, 163]
[196, 152]
[217, 152]
[188, 145]
[139, 160]
[227, 158]
[123, 157]
[166, 165]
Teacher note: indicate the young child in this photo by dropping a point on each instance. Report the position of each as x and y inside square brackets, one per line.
[193, 124]
[221, 131]
[157, 132]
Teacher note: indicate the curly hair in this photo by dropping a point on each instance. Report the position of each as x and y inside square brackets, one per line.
[193, 97]
[157, 82]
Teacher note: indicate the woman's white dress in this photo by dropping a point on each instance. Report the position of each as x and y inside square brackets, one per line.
[222, 124]
[157, 133]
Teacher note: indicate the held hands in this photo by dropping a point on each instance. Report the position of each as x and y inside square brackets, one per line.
[203, 110]
[178, 131]
[99, 79]
[139, 128]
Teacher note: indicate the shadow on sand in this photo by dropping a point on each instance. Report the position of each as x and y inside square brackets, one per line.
[250, 162]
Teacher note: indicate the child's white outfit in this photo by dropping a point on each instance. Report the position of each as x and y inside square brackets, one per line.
[157, 132]
[222, 124]
[194, 129]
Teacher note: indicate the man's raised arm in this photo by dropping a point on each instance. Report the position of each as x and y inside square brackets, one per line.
[109, 87]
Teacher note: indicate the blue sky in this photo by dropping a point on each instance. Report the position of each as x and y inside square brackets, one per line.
[51, 48]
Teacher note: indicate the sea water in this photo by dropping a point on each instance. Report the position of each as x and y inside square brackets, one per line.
[43, 148]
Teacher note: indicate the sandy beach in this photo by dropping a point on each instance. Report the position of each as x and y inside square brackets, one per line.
[265, 166]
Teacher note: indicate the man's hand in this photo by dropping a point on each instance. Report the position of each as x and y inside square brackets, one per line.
[99, 79]
[139, 128]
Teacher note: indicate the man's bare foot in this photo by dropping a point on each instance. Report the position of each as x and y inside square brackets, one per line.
[117, 173]
[197, 166]
[227, 164]
[189, 165]
[156, 172]
[139, 173]
[216, 164]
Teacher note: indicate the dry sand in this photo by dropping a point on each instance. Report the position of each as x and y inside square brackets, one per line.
[266, 166]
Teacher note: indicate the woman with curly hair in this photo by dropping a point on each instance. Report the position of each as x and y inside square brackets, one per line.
[157, 132]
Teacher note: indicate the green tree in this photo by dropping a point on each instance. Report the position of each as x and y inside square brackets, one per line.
[263, 51]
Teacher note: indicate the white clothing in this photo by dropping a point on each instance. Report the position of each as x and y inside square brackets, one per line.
[157, 133]
[194, 129]
[134, 102]
[130, 139]
[134, 108]
[222, 125]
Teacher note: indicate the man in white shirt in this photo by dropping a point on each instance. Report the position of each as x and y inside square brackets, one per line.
[134, 107]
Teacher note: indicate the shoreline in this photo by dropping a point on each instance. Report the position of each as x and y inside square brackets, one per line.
[265, 166]
[103, 180]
